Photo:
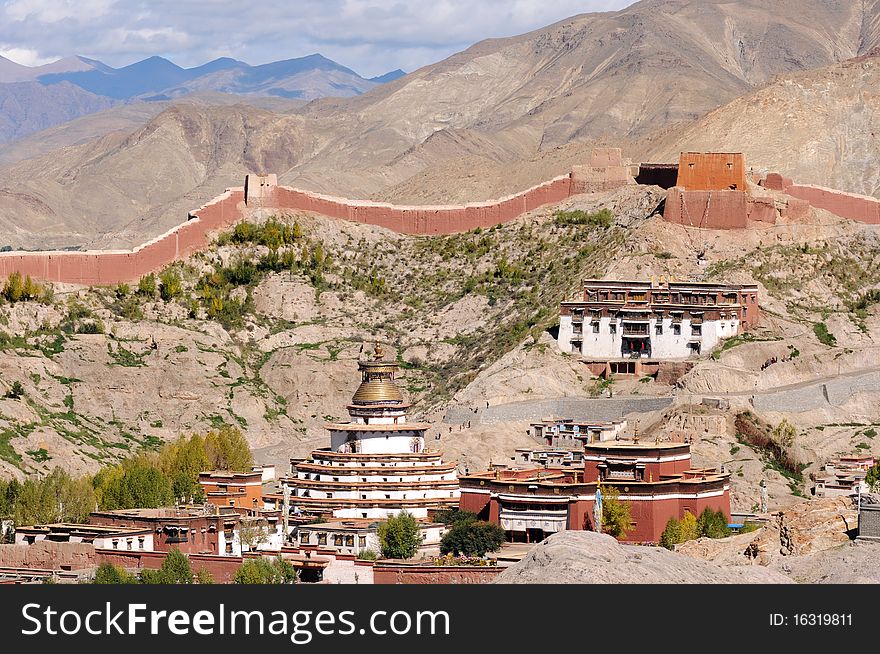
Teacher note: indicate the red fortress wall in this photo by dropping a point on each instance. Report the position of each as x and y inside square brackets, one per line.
[108, 267]
[711, 193]
[861, 208]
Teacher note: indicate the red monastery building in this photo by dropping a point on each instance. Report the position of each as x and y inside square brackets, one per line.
[655, 479]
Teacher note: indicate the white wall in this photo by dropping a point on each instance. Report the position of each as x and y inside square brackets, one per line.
[391, 442]
[668, 345]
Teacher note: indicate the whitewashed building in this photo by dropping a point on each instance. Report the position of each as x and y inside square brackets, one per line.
[619, 323]
[377, 464]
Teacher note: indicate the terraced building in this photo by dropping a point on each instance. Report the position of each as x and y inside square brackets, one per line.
[377, 464]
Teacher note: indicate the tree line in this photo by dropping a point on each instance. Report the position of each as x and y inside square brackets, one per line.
[146, 480]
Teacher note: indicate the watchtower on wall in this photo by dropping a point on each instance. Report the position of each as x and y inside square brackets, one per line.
[712, 192]
[712, 171]
[259, 188]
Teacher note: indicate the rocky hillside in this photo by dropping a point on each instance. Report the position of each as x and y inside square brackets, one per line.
[585, 557]
[500, 116]
[818, 127]
[269, 342]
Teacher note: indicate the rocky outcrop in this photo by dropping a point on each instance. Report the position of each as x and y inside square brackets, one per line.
[578, 557]
[799, 530]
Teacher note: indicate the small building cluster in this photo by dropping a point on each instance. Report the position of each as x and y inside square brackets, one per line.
[567, 433]
[844, 477]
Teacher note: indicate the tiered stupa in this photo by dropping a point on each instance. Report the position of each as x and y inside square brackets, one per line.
[377, 464]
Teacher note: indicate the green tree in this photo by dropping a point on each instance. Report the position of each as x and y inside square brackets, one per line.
[227, 449]
[204, 577]
[147, 285]
[55, 498]
[108, 573]
[455, 515]
[182, 461]
[14, 288]
[136, 483]
[265, 571]
[616, 520]
[368, 555]
[15, 391]
[400, 536]
[873, 477]
[713, 524]
[175, 570]
[671, 536]
[472, 538]
[784, 433]
[170, 286]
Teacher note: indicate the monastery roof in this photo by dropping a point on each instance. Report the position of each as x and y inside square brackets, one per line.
[641, 446]
[82, 529]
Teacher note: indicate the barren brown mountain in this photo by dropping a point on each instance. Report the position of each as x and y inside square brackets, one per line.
[499, 116]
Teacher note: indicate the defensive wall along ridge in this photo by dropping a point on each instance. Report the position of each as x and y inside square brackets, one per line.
[605, 171]
[705, 190]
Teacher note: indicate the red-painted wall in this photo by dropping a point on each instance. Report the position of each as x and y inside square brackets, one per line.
[389, 573]
[711, 171]
[222, 568]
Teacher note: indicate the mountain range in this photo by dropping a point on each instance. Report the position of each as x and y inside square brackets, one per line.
[657, 77]
[36, 98]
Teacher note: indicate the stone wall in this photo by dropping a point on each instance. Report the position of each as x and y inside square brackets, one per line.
[48, 555]
[725, 209]
[221, 568]
[861, 208]
[107, 268]
[424, 220]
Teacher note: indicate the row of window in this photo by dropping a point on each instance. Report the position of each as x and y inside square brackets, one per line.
[329, 495]
[339, 540]
[696, 330]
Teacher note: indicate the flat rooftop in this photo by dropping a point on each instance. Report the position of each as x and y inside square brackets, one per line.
[358, 524]
[634, 446]
[77, 529]
[164, 513]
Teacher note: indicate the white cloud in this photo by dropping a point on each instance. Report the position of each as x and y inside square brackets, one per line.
[55, 11]
[370, 36]
[25, 56]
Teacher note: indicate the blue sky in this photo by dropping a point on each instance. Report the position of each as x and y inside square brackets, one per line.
[370, 36]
